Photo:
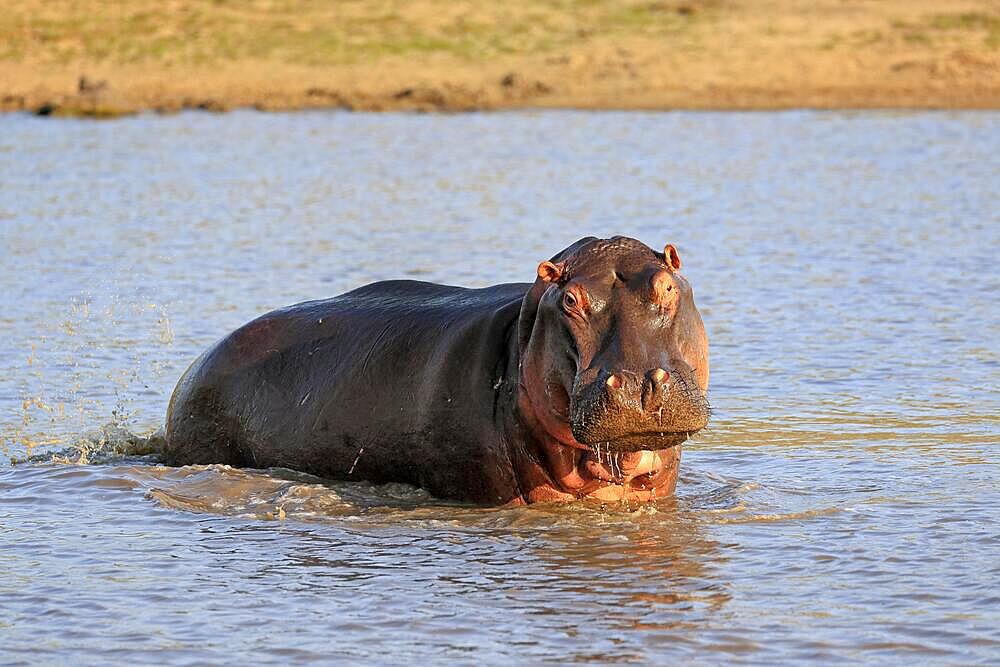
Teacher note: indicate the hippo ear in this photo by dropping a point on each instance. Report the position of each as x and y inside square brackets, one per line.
[551, 272]
[671, 258]
[548, 272]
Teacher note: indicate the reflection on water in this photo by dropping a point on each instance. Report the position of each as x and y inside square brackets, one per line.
[841, 506]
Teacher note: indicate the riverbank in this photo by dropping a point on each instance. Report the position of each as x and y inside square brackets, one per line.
[82, 58]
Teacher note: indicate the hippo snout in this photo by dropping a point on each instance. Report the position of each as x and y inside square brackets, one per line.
[625, 410]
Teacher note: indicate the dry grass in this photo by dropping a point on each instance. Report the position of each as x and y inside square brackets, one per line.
[456, 54]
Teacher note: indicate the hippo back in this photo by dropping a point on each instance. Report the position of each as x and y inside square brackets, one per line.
[393, 365]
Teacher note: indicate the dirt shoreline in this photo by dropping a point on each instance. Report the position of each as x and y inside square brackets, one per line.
[432, 55]
[112, 97]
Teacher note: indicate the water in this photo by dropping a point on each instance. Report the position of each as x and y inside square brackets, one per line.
[841, 507]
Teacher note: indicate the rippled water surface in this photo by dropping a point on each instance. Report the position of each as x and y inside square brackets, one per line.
[843, 506]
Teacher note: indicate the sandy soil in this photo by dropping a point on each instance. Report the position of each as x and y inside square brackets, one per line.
[94, 58]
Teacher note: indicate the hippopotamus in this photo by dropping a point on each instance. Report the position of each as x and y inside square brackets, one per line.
[580, 385]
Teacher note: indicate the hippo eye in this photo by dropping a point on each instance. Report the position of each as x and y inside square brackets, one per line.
[569, 301]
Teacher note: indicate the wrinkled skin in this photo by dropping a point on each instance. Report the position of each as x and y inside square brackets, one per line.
[583, 384]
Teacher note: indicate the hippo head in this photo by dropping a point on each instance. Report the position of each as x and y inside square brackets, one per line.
[614, 355]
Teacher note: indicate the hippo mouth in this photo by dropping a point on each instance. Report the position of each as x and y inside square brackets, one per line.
[641, 441]
[642, 469]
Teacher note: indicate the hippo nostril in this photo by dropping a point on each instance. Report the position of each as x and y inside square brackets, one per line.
[613, 382]
[652, 390]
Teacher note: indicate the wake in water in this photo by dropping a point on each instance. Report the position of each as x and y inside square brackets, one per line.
[113, 452]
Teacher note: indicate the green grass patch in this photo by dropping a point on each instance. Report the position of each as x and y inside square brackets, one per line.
[965, 21]
[971, 21]
[916, 37]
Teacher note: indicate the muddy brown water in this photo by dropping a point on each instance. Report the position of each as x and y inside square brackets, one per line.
[843, 505]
